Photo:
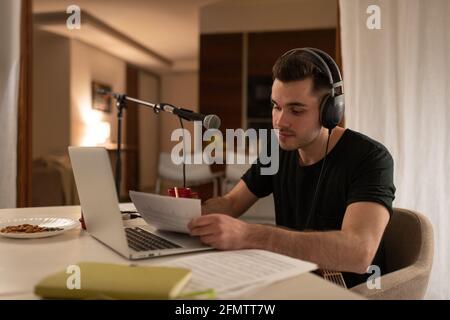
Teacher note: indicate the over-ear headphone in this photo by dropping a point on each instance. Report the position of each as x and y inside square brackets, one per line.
[333, 106]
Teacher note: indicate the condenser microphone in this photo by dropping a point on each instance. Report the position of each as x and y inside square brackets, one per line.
[210, 121]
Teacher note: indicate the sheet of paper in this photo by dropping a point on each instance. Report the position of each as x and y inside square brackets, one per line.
[164, 212]
[232, 273]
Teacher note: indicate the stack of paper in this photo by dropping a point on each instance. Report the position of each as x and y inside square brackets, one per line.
[233, 273]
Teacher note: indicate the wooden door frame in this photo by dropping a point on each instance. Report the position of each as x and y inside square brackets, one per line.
[132, 131]
[25, 111]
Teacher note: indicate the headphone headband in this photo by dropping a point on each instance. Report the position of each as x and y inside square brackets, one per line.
[323, 61]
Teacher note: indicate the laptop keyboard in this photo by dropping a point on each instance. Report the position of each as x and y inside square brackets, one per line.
[141, 240]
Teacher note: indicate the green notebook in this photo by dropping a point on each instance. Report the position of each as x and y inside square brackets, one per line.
[114, 281]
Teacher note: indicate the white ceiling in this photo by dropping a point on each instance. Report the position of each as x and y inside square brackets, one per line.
[167, 27]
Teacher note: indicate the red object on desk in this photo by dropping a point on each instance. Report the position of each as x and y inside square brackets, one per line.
[179, 192]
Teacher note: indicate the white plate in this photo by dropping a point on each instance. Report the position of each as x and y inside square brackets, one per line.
[64, 223]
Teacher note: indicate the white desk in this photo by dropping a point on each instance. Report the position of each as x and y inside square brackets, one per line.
[24, 262]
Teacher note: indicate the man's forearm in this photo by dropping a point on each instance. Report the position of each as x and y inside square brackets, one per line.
[334, 250]
[219, 205]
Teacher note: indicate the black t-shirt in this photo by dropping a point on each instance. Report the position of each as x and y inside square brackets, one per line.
[356, 169]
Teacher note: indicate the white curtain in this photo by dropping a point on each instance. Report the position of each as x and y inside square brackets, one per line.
[9, 84]
[397, 82]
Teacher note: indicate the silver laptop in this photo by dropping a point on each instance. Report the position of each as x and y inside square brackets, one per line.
[96, 190]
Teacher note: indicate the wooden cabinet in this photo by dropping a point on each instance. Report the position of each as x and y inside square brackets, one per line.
[221, 78]
[238, 67]
[265, 47]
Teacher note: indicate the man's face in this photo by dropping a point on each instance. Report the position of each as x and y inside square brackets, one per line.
[295, 112]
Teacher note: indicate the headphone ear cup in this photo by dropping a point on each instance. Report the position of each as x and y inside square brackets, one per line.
[324, 111]
[331, 111]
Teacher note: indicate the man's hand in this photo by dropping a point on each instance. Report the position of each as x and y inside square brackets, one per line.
[221, 231]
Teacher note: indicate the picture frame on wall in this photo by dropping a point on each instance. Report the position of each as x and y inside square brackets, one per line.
[100, 101]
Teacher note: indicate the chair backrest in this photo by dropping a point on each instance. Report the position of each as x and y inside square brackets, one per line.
[408, 242]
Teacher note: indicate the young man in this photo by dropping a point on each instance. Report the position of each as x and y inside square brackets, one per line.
[353, 204]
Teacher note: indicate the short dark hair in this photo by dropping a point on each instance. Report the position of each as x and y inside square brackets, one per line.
[298, 65]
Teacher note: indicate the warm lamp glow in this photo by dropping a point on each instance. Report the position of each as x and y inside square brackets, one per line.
[89, 116]
[96, 133]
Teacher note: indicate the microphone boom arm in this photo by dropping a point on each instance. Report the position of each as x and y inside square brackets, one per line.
[121, 102]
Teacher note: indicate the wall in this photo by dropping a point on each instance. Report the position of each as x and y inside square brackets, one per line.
[62, 75]
[267, 15]
[149, 127]
[87, 64]
[51, 92]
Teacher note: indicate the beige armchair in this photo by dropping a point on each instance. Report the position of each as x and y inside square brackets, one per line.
[409, 257]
